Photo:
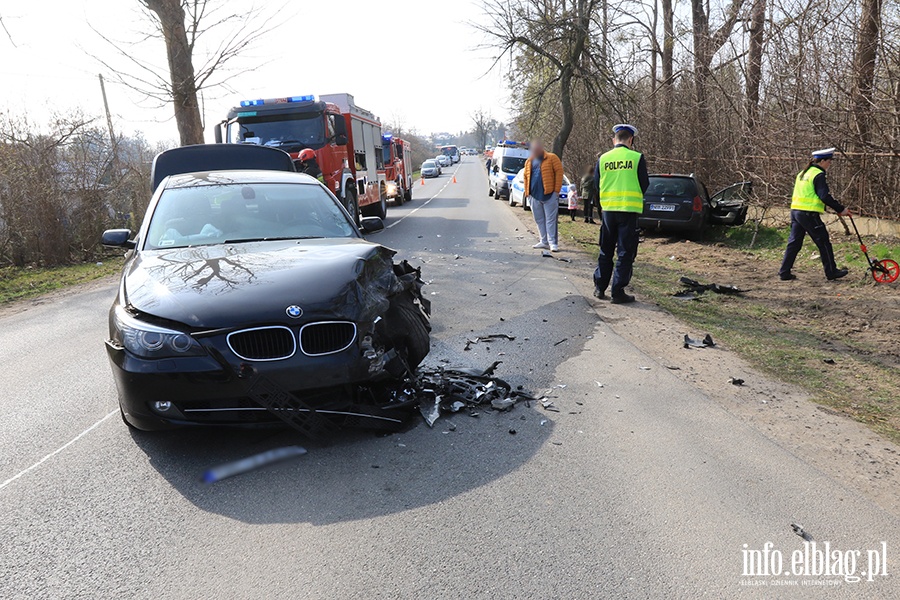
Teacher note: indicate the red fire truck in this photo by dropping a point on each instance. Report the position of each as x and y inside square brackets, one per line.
[397, 168]
[347, 141]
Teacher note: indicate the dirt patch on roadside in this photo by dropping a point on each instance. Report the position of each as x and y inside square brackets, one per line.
[849, 322]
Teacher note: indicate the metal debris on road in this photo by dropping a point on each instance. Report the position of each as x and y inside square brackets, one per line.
[250, 463]
[491, 337]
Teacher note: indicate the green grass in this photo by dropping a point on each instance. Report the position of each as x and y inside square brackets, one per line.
[862, 386]
[20, 283]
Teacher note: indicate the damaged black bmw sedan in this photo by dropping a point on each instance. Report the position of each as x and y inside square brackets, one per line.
[249, 297]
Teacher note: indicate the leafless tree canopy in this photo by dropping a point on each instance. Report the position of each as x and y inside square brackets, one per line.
[729, 89]
[201, 38]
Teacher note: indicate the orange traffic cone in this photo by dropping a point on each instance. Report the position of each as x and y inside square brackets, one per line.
[421, 181]
[454, 179]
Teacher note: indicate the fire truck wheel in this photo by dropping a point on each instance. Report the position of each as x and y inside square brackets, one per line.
[351, 202]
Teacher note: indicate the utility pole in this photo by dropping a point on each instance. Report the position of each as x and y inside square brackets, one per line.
[109, 124]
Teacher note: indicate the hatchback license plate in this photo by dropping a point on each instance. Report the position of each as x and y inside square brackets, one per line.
[663, 207]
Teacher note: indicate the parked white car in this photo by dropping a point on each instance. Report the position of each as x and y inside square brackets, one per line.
[443, 160]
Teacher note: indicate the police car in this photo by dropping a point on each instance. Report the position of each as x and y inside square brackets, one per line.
[508, 159]
[517, 193]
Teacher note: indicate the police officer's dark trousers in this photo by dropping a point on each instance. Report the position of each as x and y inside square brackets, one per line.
[803, 222]
[619, 236]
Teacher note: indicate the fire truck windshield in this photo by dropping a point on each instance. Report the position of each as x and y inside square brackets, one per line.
[300, 130]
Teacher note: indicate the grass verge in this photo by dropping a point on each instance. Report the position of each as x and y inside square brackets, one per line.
[787, 338]
[20, 283]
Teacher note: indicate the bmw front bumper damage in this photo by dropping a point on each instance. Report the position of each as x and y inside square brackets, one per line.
[360, 385]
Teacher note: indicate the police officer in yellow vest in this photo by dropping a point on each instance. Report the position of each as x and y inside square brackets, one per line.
[621, 176]
[811, 195]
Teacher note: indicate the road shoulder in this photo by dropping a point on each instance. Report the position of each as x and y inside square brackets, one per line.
[843, 449]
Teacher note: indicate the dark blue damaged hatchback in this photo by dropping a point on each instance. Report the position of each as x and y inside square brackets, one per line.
[246, 280]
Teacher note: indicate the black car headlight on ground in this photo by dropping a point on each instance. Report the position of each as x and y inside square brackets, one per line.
[152, 341]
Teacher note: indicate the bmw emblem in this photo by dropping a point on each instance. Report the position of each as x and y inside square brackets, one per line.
[294, 311]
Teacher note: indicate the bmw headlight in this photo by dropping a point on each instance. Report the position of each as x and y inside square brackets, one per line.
[151, 341]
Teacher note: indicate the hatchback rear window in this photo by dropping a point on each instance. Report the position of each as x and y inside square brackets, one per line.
[672, 186]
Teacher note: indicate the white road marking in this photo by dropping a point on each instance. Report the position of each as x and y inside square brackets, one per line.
[424, 204]
[57, 451]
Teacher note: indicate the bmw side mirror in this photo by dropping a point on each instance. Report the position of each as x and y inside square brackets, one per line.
[119, 238]
[371, 224]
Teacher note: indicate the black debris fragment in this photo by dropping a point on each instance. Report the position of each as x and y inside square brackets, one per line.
[696, 288]
[736, 381]
[512, 432]
[488, 338]
[798, 529]
[561, 341]
[706, 342]
[548, 254]
[829, 361]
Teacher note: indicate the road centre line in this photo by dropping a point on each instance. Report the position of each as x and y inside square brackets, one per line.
[424, 204]
[58, 450]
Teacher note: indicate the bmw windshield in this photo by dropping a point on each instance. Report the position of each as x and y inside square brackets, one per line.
[249, 212]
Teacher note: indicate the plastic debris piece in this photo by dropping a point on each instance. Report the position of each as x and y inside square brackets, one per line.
[547, 404]
[512, 432]
[829, 361]
[598, 384]
[489, 338]
[544, 422]
[457, 406]
[673, 368]
[698, 288]
[502, 403]
[686, 295]
[561, 341]
[431, 410]
[250, 463]
[561, 386]
[645, 368]
[451, 427]
[736, 381]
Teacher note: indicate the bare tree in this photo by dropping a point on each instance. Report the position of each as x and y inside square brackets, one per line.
[555, 36]
[481, 123]
[182, 25]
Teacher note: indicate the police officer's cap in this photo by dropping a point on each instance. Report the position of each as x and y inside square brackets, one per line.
[625, 126]
[824, 154]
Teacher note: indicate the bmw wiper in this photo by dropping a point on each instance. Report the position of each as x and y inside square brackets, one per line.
[273, 239]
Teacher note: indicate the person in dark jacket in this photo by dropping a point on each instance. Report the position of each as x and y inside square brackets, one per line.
[811, 196]
[590, 195]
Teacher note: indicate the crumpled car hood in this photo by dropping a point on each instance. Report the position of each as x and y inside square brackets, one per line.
[240, 285]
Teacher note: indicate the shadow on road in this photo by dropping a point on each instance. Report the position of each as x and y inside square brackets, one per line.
[357, 476]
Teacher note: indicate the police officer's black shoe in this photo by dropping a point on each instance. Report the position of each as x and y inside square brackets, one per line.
[838, 274]
[622, 298]
[788, 277]
[599, 294]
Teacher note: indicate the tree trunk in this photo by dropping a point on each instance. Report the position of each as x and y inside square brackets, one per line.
[568, 116]
[754, 75]
[181, 69]
[866, 54]
[702, 59]
[668, 73]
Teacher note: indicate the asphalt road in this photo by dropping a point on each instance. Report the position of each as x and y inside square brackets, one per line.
[641, 488]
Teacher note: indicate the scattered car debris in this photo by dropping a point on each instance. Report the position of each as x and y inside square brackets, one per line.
[547, 404]
[736, 381]
[645, 368]
[673, 368]
[548, 254]
[491, 337]
[798, 529]
[502, 404]
[512, 432]
[829, 361]
[430, 412]
[561, 341]
[251, 463]
[706, 342]
[695, 288]
[686, 295]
